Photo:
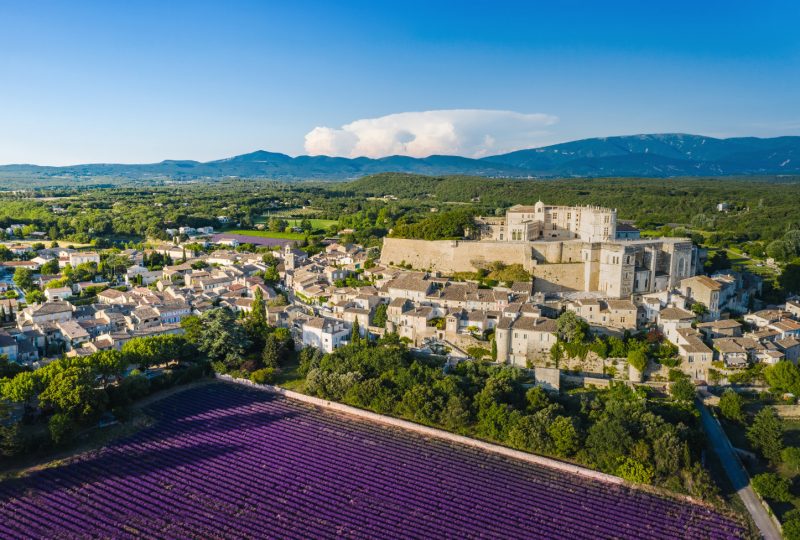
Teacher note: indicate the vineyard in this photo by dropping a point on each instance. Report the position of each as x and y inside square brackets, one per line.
[227, 462]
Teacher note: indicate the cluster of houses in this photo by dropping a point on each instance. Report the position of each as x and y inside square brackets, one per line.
[706, 318]
[119, 314]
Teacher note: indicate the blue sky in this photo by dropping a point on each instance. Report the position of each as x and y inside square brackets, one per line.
[144, 81]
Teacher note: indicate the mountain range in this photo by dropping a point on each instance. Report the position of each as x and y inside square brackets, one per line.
[656, 155]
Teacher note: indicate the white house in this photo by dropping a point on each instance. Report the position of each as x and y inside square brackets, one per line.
[325, 334]
[58, 293]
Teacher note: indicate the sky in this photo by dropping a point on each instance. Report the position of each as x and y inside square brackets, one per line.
[134, 82]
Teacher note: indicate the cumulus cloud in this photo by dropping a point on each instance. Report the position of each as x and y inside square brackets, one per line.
[462, 132]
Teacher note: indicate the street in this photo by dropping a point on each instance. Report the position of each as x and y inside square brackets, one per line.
[737, 475]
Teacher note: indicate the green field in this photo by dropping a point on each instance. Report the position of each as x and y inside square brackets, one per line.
[315, 222]
[268, 234]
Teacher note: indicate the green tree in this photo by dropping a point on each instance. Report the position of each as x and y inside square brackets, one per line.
[50, 267]
[771, 486]
[379, 317]
[682, 390]
[637, 358]
[635, 471]
[556, 353]
[23, 388]
[274, 351]
[564, 435]
[784, 377]
[72, 392]
[154, 350]
[217, 334]
[23, 278]
[256, 324]
[607, 442]
[263, 376]
[791, 457]
[61, 427]
[35, 296]
[730, 405]
[766, 434]
[571, 328]
[355, 333]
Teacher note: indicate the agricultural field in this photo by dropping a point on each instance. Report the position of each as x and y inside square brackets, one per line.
[268, 234]
[225, 461]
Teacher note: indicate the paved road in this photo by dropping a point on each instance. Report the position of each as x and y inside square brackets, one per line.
[738, 476]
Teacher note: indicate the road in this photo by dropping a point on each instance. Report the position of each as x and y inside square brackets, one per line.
[737, 475]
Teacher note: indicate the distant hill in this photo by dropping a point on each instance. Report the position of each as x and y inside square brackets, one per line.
[661, 155]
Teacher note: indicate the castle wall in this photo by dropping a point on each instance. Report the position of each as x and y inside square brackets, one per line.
[450, 256]
[565, 277]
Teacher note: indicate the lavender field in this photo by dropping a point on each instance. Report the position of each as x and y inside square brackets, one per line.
[229, 462]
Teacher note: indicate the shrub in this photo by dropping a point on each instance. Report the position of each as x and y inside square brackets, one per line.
[635, 471]
[263, 376]
[730, 405]
[60, 426]
[791, 457]
[772, 486]
[682, 390]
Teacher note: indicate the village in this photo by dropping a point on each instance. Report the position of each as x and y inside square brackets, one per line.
[700, 325]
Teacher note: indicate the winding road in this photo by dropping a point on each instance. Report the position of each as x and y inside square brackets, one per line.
[737, 475]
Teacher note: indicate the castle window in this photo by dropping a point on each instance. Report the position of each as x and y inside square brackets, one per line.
[569, 215]
[555, 215]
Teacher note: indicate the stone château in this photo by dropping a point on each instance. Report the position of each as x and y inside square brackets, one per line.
[565, 248]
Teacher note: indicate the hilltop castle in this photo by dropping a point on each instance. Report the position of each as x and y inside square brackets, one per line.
[566, 248]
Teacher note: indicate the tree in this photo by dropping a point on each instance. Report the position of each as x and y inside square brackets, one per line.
[35, 296]
[607, 442]
[10, 436]
[256, 323]
[682, 390]
[218, 335]
[23, 278]
[23, 388]
[109, 364]
[60, 426]
[355, 333]
[571, 328]
[72, 392]
[564, 435]
[637, 359]
[556, 353]
[635, 471]
[273, 353]
[50, 267]
[784, 377]
[771, 486]
[263, 376]
[779, 250]
[766, 434]
[154, 350]
[379, 317]
[791, 457]
[730, 405]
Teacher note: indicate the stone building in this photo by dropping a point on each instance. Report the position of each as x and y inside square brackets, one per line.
[523, 338]
[547, 222]
[566, 248]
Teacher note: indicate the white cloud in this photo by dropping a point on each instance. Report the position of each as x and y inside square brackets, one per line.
[462, 132]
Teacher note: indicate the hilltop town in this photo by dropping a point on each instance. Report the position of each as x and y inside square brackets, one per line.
[441, 296]
[544, 308]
